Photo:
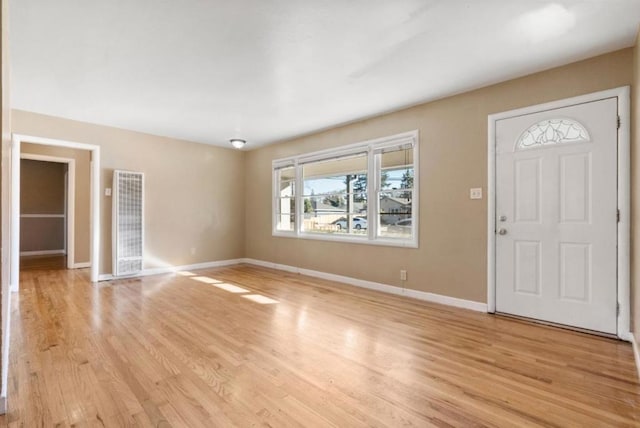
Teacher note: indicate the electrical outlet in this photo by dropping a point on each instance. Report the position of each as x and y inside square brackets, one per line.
[475, 193]
[403, 275]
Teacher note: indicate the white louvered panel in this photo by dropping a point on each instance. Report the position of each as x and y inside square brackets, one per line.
[128, 222]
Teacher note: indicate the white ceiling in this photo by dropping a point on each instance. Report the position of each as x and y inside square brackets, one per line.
[267, 70]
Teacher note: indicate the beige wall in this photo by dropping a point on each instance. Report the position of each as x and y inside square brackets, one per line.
[194, 200]
[635, 190]
[41, 234]
[451, 259]
[42, 191]
[42, 187]
[82, 211]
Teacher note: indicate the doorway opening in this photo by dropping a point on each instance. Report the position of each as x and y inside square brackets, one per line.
[48, 210]
[12, 218]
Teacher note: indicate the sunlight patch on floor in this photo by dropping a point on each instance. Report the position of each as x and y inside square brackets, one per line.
[185, 273]
[259, 298]
[206, 279]
[231, 288]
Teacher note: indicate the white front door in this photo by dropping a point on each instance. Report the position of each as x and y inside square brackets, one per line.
[556, 209]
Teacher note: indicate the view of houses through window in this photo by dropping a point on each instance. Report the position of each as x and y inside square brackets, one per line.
[335, 195]
[395, 195]
[336, 198]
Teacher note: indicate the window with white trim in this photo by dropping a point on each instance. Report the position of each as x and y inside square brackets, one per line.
[364, 192]
[285, 202]
[395, 191]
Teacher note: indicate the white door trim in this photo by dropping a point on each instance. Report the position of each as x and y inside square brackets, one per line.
[14, 204]
[71, 198]
[624, 195]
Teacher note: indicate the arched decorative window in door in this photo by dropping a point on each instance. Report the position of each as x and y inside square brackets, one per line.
[552, 132]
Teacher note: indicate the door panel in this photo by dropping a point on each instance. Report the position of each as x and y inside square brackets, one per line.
[556, 203]
[575, 188]
[527, 268]
[575, 271]
[527, 190]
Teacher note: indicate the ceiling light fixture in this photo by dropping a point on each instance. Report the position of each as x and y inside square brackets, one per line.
[237, 143]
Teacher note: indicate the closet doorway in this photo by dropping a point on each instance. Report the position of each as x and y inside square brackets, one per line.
[11, 203]
[47, 211]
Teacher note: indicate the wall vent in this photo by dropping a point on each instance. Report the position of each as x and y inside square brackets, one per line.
[128, 222]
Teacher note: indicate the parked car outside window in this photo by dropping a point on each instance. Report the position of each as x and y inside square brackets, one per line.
[358, 223]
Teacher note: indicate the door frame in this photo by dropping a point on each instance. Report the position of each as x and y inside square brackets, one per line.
[70, 198]
[11, 202]
[624, 196]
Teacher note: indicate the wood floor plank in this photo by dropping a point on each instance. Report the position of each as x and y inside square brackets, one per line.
[181, 350]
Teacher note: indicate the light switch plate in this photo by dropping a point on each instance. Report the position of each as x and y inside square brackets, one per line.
[107, 191]
[475, 193]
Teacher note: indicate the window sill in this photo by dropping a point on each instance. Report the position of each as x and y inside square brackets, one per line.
[362, 240]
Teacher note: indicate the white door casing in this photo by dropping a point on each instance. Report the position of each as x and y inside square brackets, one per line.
[12, 190]
[557, 272]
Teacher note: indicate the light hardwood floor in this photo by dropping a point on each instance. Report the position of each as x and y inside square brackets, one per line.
[181, 351]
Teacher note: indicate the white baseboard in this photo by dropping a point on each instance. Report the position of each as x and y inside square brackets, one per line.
[42, 253]
[82, 265]
[420, 295]
[172, 269]
[415, 294]
[636, 351]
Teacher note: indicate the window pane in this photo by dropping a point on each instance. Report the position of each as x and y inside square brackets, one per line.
[321, 211]
[335, 224]
[397, 170]
[335, 195]
[395, 213]
[325, 185]
[402, 229]
[358, 225]
[287, 188]
[336, 176]
[286, 204]
[353, 164]
[285, 214]
[325, 205]
[356, 203]
[335, 204]
[329, 213]
[287, 174]
[320, 222]
[287, 182]
[350, 183]
[359, 183]
[397, 158]
[285, 221]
